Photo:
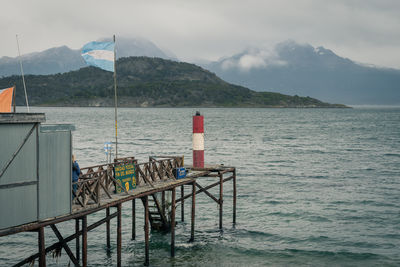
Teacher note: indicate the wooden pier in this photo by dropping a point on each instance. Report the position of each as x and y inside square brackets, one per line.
[96, 190]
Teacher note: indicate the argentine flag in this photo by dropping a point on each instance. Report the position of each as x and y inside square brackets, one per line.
[99, 54]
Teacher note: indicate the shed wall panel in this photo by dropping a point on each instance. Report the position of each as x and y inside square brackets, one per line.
[55, 174]
[18, 201]
[23, 167]
[18, 205]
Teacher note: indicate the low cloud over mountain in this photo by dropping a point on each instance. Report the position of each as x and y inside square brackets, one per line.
[301, 69]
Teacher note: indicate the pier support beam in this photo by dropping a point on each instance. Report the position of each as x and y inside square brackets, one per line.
[182, 204]
[77, 248]
[221, 201]
[59, 244]
[193, 211]
[64, 245]
[108, 230]
[42, 248]
[173, 223]
[84, 241]
[234, 196]
[146, 230]
[119, 234]
[133, 219]
[163, 201]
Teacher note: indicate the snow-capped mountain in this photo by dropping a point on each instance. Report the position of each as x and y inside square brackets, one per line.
[63, 59]
[300, 69]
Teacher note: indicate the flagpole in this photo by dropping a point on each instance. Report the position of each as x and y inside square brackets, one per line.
[115, 104]
[22, 72]
[14, 92]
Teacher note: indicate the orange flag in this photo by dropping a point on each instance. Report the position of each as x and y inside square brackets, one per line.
[6, 96]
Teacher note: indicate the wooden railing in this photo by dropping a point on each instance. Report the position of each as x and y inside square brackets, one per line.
[98, 181]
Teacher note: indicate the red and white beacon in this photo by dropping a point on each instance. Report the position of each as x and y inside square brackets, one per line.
[198, 140]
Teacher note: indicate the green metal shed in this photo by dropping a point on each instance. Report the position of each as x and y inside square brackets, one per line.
[35, 169]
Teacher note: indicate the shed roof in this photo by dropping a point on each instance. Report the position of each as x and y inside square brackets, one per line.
[6, 118]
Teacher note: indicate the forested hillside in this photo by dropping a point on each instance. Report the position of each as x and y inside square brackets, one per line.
[147, 82]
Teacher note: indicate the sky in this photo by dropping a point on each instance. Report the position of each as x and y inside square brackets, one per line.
[366, 31]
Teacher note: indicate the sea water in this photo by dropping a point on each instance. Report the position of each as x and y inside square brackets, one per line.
[316, 187]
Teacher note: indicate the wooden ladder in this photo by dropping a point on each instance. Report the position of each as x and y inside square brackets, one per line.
[157, 215]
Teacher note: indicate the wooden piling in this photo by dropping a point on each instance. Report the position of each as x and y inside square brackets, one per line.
[133, 219]
[182, 204]
[173, 223]
[119, 235]
[42, 248]
[163, 201]
[234, 196]
[193, 211]
[221, 182]
[108, 229]
[77, 248]
[146, 230]
[84, 241]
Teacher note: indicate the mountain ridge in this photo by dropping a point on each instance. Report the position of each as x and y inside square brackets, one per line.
[64, 59]
[148, 82]
[289, 68]
[292, 68]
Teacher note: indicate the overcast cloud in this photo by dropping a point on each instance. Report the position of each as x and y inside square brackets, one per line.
[366, 31]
